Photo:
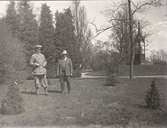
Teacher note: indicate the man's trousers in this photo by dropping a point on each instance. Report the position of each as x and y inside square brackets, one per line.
[64, 79]
[40, 81]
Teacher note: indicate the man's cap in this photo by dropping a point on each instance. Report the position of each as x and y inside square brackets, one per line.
[38, 46]
[64, 52]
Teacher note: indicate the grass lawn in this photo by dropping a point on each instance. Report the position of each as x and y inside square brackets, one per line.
[143, 70]
[90, 104]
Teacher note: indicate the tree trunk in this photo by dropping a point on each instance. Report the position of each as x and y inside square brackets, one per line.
[131, 40]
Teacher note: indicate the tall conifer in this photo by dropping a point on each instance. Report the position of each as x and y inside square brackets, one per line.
[12, 18]
[28, 28]
[46, 32]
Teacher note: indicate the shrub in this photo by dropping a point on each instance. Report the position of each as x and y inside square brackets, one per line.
[77, 73]
[111, 80]
[152, 97]
[106, 60]
[13, 102]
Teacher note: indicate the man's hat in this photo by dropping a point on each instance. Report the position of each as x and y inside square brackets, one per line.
[38, 46]
[64, 52]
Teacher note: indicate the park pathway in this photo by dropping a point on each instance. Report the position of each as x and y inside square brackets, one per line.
[87, 76]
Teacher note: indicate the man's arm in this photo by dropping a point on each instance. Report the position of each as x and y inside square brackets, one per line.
[32, 61]
[71, 67]
[45, 62]
[58, 68]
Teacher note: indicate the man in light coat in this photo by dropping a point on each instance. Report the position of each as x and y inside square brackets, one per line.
[64, 71]
[38, 62]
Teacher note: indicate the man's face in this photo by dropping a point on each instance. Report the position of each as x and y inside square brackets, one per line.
[64, 55]
[38, 50]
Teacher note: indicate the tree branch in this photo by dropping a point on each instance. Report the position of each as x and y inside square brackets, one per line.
[94, 26]
[117, 19]
[137, 7]
[140, 6]
[99, 31]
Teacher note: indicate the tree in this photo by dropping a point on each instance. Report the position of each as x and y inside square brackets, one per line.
[119, 34]
[28, 28]
[129, 20]
[12, 57]
[132, 43]
[46, 32]
[131, 40]
[64, 35]
[86, 50]
[158, 57]
[104, 57]
[83, 33]
[59, 30]
[12, 18]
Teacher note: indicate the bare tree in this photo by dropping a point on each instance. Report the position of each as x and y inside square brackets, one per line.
[131, 13]
[124, 17]
[158, 57]
[82, 30]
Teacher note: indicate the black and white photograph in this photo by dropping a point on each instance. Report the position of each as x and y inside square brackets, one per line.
[83, 64]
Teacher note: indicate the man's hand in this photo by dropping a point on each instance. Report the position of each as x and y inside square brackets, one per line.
[36, 64]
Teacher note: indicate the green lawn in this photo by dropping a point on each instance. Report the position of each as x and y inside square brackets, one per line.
[143, 70]
[90, 104]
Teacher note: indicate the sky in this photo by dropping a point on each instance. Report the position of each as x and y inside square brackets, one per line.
[156, 17]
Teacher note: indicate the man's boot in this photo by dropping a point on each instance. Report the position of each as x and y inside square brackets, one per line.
[46, 91]
[37, 91]
[68, 86]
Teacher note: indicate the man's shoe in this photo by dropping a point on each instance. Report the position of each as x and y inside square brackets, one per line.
[61, 91]
[46, 92]
[37, 92]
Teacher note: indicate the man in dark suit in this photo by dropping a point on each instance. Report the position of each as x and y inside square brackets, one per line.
[64, 71]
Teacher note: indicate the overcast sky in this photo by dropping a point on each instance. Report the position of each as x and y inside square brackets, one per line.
[157, 18]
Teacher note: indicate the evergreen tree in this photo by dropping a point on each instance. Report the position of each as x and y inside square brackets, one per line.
[46, 32]
[12, 62]
[152, 98]
[12, 18]
[28, 28]
[59, 42]
[65, 35]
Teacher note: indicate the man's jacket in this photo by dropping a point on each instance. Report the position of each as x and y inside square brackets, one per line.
[38, 62]
[64, 67]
